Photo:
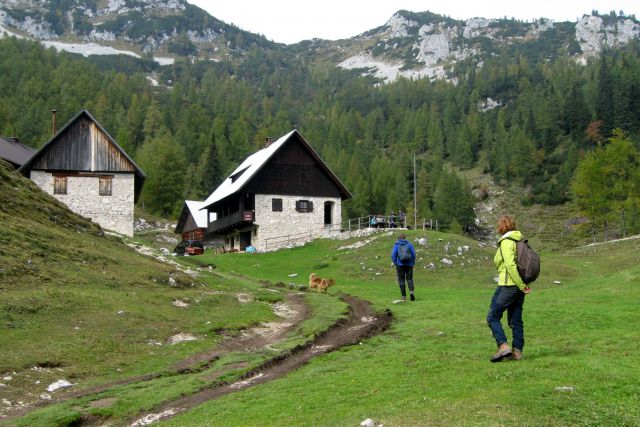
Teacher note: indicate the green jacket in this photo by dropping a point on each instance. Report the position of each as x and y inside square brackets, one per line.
[507, 269]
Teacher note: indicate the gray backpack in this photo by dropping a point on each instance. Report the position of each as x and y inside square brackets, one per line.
[404, 253]
[527, 260]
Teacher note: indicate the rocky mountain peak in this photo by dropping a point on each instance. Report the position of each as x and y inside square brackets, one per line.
[424, 44]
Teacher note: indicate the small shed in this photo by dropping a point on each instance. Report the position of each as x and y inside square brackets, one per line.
[84, 167]
[193, 223]
[14, 152]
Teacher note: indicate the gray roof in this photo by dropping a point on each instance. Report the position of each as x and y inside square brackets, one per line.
[14, 152]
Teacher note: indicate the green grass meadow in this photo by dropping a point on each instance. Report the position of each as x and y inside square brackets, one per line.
[432, 367]
[80, 305]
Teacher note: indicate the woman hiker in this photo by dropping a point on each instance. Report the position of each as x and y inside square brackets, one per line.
[509, 294]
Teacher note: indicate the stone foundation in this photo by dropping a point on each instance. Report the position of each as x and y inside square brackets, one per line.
[274, 230]
[113, 212]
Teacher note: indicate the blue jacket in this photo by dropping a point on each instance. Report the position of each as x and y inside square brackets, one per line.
[394, 253]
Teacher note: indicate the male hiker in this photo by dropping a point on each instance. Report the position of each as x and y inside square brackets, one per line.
[404, 257]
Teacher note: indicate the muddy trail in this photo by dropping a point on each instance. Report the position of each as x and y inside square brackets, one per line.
[362, 323]
[250, 340]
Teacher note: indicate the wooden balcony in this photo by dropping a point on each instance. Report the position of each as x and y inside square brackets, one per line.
[235, 219]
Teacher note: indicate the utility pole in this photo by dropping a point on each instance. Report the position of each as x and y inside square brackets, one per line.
[415, 203]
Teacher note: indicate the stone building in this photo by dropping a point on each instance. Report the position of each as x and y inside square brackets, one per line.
[281, 194]
[83, 167]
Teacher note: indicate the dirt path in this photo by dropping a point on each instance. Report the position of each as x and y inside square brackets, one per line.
[251, 340]
[255, 339]
[362, 323]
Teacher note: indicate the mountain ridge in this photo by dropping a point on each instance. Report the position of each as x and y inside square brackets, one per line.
[409, 44]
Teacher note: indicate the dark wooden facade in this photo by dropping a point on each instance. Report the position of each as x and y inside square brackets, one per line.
[294, 171]
[82, 145]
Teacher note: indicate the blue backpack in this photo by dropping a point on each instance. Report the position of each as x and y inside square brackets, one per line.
[404, 253]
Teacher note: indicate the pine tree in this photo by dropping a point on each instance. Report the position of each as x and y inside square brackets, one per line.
[604, 100]
[163, 160]
[453, 201]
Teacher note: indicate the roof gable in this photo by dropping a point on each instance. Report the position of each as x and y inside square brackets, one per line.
[83, 145]
[248, 169]
[192, 208]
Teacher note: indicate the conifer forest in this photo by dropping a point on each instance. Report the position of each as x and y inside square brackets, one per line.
[561, 130]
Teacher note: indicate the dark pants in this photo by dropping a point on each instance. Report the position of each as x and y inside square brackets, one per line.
[405, 272]
[509, 298]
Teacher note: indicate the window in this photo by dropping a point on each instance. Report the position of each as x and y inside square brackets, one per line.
[276, 205]
[237, 175]
[105, 186]
[60, 185]
[304, 206]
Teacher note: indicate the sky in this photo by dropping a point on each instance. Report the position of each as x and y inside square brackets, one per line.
[290, 21]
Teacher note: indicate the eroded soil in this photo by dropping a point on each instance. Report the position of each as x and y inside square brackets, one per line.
[362, 323]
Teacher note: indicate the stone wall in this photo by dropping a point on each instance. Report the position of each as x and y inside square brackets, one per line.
[280, 229]
[113, 212]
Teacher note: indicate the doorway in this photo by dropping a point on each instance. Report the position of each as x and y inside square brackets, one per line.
[328, 213]
[245, 239]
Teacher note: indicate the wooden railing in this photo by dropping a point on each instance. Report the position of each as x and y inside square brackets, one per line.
[365, 222]
[230, 220]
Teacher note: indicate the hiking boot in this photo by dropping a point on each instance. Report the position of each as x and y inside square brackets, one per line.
[516, 354]
[501, 354]
[413, 297]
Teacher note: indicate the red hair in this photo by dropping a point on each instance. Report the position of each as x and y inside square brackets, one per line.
[505, 224]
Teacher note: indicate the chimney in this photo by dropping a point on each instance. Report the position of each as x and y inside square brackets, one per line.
[268, 141]
[53, 129]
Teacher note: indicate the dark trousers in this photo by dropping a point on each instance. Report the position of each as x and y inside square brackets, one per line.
[405, 273]
[509, 298]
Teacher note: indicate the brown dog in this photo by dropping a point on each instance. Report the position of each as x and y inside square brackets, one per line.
[314, 281]
[325, 283]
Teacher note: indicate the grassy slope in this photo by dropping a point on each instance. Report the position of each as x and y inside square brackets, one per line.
[79, 305]
[432, 367]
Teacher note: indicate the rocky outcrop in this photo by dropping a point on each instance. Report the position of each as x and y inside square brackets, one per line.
[593, 33]
[439, 42]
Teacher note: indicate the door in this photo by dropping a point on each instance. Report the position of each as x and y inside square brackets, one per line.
[328, 213]
[245, 239]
